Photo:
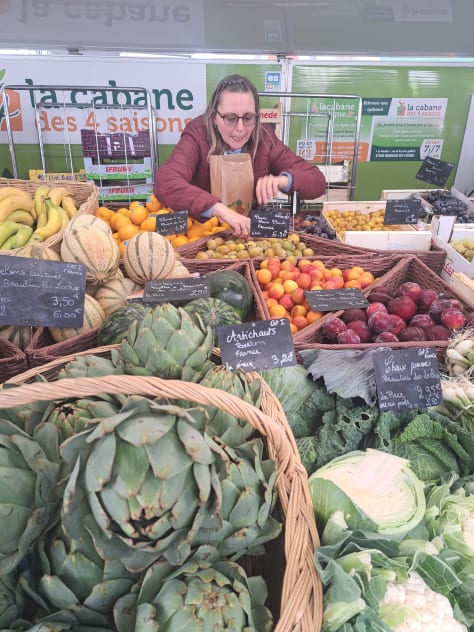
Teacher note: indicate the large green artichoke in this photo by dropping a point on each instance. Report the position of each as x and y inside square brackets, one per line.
[29, 473]
[142, 482]
[12, 599]
[167, 343]
[198, 596]
[68, 574]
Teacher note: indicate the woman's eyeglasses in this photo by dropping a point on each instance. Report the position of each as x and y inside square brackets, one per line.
[231, 120]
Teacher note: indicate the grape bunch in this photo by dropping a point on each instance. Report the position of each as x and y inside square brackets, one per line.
[444, 203]
[313, 224]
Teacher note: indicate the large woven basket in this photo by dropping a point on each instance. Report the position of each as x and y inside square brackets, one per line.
[43, 349]
[295, 591]
[85, 194]
[407, 269]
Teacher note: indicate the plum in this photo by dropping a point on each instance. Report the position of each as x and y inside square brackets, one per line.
[452, 318]
[436, 307]
[427, 296]
[396, 324]
[375, 307]
[348, 337]
[379, 295]
[333, 327]
[437, 332]
[412, 334]
[361, 328]
[379, 321]
[421, 320]
[354, 313]
[411, 289]
[469, 319]
[402, 306]
[386, 336]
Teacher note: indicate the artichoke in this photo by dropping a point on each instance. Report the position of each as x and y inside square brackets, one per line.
[29, 473]
[196, 596]
[90, 366]
[73, 577]
[231, 430]
[167, 343]
[12, 599]
[141, 482]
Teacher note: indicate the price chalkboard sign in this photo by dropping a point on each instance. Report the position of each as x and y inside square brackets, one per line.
[175, 223]
[35, 292]
[330, 300]
[266, 344]
[407, 379]
[168, 290]
[269, 223]
[434, 171]
[402, 211]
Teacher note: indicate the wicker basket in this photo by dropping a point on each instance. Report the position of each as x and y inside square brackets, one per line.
[43, 349]
[407, 269]
[295, 591]
[12, 360]
[85, 194]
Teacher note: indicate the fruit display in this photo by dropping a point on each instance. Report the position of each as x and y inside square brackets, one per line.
[138, 217]
[347, 220]
[229, 247]
[284, 282]
[465, 247]
[313, 224]
[410, 314]
[25, 219]
[443, 202]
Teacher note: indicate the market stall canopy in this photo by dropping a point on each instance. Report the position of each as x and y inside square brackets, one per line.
[282, 27]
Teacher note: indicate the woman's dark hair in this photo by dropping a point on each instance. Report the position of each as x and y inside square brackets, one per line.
[231, 83]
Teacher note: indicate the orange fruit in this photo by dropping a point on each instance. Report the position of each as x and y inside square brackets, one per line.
[312, 316]
[123, 210]
[179, 240]
[264, 276]
[149, 224]
[138, 214]
[278, 311]
[127, 231]
[117, 220]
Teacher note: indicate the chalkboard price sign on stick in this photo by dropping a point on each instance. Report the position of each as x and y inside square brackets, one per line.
[269, 223]
[255, 346]
[168, 290]
[402, 211]
[407, 379]
[434, 171]
[331, 300]
[35, 292]
[175, 223]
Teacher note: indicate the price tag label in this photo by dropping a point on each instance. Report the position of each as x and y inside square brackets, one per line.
[402, 211]
[169, 290]
[407, 379]
[431, 147]
[331, 300]
[175, 223]
[269, 223]
[35, 292]
[434, 171]
[255, 346]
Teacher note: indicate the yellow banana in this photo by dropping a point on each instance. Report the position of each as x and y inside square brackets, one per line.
[21, 217]
[8, 244]
[64, 216]
[21, 236]
[53, 225]
[56, 195]
[7, 230]
[6, 192]
[14, 202]
[69, 206]
[40, 193]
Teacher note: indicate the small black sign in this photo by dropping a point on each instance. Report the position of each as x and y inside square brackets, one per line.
[331, 300]
[434, 171]
[402, 211]
[407, 379]
[269, 223]
[36, 292]
[265, 344]
[168, 290]
[175, 223]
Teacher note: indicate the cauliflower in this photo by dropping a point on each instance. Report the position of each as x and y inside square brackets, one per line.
[413, 606]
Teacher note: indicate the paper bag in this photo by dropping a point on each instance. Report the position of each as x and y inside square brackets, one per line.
[232, 181]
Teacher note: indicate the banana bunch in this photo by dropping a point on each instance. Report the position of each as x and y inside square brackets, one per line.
[24, 219]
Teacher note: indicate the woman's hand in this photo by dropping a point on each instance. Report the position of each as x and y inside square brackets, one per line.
[269, 186]
[239, 224]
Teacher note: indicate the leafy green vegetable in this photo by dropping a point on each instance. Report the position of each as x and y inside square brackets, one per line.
[308, 451]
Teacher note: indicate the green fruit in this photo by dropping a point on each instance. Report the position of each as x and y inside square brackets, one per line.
[233, 288]
[115, 327]
[213, 312]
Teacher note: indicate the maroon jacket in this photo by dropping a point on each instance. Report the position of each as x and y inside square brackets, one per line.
[184, 181]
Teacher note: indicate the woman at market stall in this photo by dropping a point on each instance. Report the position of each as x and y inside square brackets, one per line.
[231, 124]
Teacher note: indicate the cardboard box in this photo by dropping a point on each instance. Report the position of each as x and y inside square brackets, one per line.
[406, 238]
[125, 192]
[444, 231]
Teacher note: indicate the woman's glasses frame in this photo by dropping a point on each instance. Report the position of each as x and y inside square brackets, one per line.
[232, 120]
